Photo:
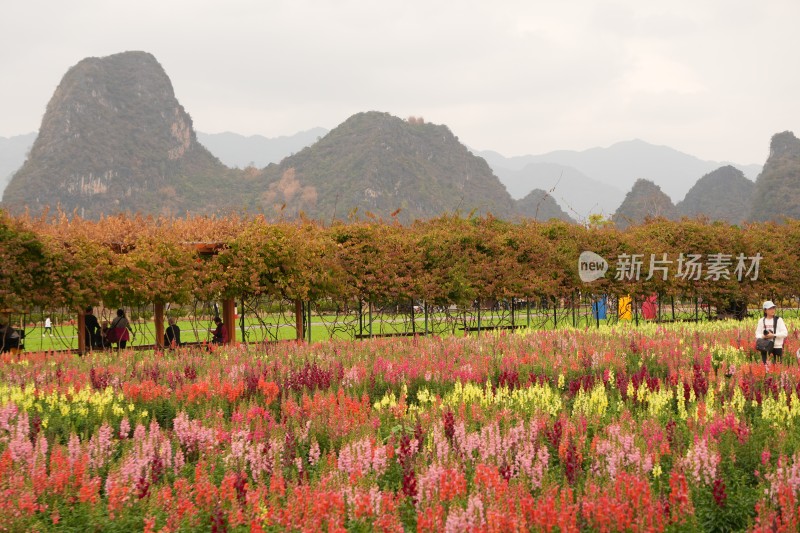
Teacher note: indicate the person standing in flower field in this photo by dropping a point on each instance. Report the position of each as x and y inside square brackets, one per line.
[48, 327]
[771, 327]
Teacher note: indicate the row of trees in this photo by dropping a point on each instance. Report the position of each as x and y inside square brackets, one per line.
[73, 262]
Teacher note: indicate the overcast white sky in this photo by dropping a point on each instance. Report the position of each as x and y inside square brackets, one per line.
[713, 78]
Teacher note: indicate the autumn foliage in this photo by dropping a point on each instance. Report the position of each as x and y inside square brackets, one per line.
[451, 259]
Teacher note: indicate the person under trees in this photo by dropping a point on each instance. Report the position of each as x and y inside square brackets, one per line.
[220, 334]
[9, 338]
[94, 335]
[172, 335]
[119, 330]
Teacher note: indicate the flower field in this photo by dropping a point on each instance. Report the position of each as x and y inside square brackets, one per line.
[656, 428]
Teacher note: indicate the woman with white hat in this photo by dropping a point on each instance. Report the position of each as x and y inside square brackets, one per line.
[772, 328]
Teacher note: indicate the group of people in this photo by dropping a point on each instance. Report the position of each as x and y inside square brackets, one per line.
[119, 332]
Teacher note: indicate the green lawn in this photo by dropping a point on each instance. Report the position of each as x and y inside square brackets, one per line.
[66, 337]
[272, 327]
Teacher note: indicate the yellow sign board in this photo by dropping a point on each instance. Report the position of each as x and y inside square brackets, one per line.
[624, 308]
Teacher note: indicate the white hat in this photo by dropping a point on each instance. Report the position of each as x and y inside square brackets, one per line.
[768, 304]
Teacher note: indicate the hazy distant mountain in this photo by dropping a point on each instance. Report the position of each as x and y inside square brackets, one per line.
[540, 205]
[724, 194]
[232, 149]
[256, 150]
[114, 138]
[12, 155]
[644, 200]
[380, 163]
[576, 193]
[777, 190]
[592, 181]
[621, 164]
